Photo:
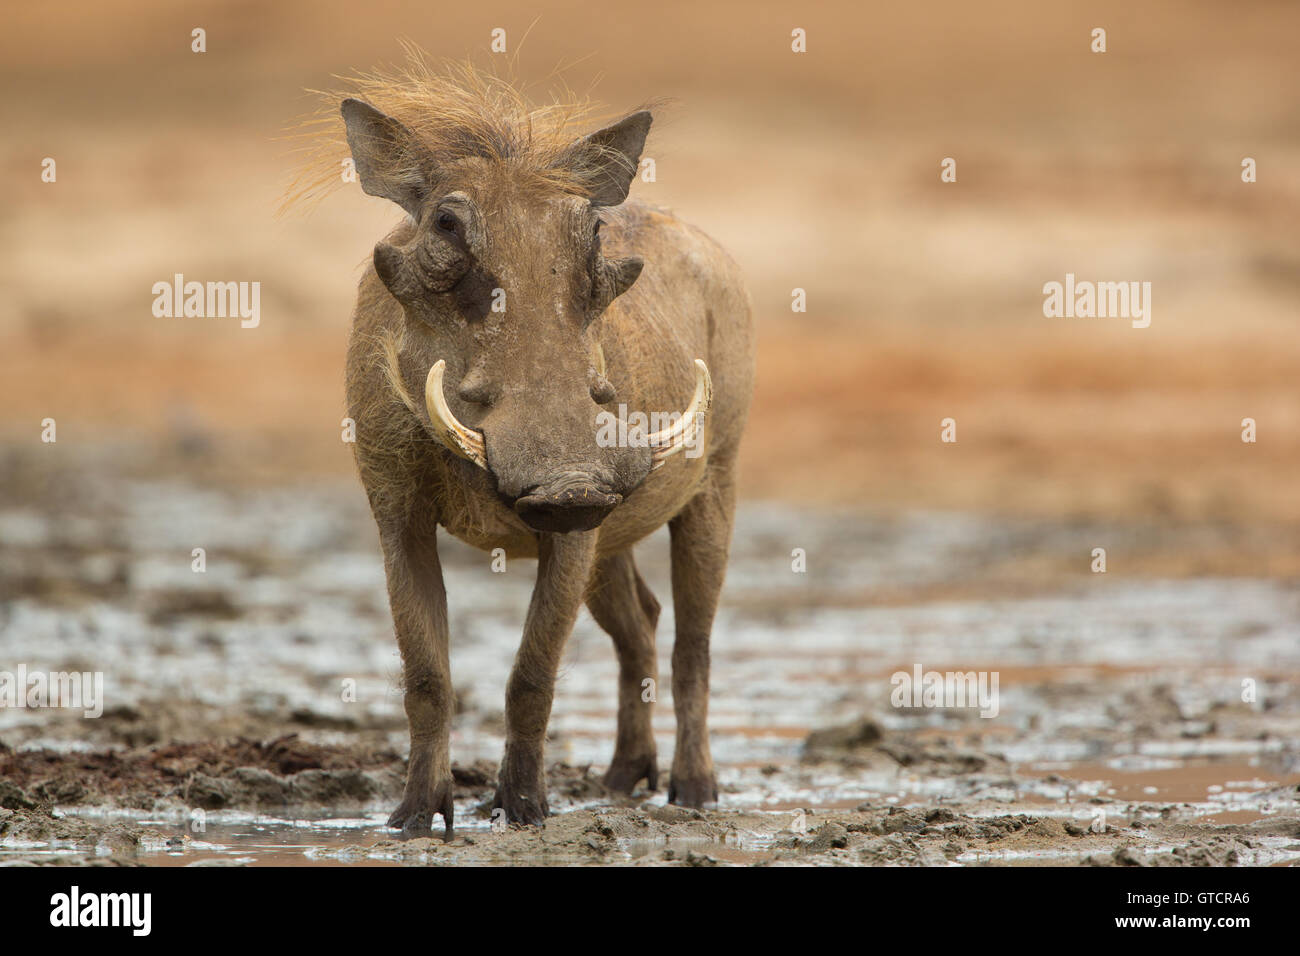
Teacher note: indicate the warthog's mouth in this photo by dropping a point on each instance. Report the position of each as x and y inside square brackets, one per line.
[468, 443]
[570, 510]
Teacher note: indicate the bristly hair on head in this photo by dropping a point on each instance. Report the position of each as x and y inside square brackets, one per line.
[455, 112]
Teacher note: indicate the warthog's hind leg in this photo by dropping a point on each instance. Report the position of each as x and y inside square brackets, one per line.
[701, 539]
[622, 604]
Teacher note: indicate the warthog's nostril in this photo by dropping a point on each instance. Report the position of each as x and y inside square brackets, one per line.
[573, 509]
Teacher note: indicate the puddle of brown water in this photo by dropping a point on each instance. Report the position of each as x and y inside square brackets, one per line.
[274, 843]
[1193, 781]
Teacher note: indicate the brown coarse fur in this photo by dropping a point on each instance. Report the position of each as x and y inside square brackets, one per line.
[550, 301]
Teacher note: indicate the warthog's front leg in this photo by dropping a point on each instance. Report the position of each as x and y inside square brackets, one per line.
[622, 604]
[563, 568]
[701, 539]
[419, 602]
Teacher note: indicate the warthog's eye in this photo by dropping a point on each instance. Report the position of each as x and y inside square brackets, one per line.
[448, 223]
[595, 230]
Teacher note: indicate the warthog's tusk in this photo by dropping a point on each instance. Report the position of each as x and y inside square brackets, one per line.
[465, 442]
[685, 432]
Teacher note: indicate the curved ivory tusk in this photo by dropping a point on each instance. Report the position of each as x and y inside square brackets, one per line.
[462, 441]
[685, 432]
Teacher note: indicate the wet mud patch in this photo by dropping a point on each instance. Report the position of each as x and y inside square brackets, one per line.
[209, 775]
[278, 802]
[868, 835]
[38, 836]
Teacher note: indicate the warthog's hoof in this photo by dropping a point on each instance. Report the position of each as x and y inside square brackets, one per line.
[692, 791]
[523, 807]
[414, 816]
[625, 773]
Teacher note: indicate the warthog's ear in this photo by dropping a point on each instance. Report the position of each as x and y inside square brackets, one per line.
[609, 158]
[390, 161]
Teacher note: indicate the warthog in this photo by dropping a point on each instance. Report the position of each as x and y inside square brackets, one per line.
[523, 298]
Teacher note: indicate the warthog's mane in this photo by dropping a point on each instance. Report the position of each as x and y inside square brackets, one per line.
[456, 111]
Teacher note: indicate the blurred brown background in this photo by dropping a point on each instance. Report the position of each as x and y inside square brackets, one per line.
[819, 171]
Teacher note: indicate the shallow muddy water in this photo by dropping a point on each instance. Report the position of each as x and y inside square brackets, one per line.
[1119, 708]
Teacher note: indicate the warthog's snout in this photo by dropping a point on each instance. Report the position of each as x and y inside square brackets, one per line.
[468, 443]
[567, 508]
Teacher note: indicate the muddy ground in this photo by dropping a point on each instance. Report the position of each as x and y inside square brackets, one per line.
[288, 802]
[226, 737]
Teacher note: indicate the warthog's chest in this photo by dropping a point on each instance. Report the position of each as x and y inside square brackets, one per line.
[483, 521]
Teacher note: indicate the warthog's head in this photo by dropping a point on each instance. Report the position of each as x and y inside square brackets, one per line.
[501, 282]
